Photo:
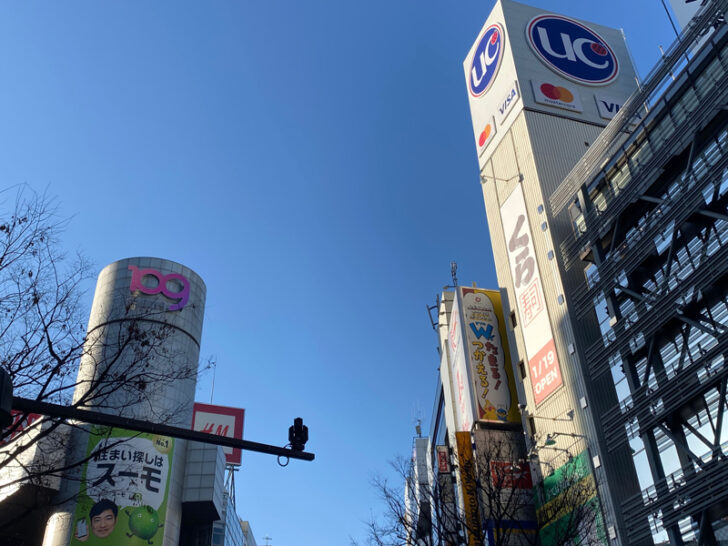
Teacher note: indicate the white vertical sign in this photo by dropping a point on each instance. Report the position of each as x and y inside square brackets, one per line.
[459, 370]
[543, 363]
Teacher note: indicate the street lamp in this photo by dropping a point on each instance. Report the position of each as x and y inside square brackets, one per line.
[550, 441]
[569, 417]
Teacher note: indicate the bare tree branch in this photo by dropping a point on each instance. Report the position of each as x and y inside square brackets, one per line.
[43, 341]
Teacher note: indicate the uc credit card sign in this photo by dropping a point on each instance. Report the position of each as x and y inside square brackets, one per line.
[572, 50]
[490, 80]
[486, 60]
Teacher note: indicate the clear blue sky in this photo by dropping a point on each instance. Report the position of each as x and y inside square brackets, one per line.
[314, 163]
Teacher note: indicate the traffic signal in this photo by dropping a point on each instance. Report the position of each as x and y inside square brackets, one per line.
[298, 435]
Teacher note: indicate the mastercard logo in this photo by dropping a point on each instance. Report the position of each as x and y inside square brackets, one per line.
[485, 135]
[556, 92]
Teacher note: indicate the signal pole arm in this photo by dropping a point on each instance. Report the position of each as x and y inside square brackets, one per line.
[99, 418]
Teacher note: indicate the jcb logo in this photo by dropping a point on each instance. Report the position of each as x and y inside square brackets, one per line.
[172, 286]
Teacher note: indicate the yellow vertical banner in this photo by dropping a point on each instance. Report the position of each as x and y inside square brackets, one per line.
[470, 488]
[488, 356]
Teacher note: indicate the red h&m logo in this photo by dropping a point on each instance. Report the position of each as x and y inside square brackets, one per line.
[209, 428]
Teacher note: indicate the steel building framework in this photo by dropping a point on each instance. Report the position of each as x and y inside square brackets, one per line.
[649, 208]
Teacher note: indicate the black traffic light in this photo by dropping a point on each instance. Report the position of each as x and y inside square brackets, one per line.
[298, 435]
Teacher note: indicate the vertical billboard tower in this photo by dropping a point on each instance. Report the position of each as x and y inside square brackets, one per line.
[541, 88]
[140, 361]
[482, 414]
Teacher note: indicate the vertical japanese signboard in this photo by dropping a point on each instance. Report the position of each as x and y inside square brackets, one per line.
[470, 488]
[488, 356]
[543, 362]
[124, 487]
[443, 459]
[223, 421]
[459, 370]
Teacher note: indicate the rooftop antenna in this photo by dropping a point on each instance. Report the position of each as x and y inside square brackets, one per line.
[267, 541]
[417, 419]
[453, 272]
[212, 389]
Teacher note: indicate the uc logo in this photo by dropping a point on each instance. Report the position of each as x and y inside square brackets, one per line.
[486, 60]
[572, 50]
[181, 296]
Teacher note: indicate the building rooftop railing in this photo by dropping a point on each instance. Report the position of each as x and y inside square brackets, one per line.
[633, 250]
[659, 78]
[642, 175]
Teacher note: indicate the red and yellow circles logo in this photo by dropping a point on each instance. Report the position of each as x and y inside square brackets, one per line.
[556, 92]
[485, 135]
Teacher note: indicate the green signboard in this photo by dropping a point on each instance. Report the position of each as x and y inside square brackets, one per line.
[124, 486]
[568, 506]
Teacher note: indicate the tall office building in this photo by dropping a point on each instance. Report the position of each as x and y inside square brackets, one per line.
[610, 245]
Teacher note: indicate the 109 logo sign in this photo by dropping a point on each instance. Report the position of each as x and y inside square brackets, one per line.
[572, 50]
[486, 60]
[180, 295]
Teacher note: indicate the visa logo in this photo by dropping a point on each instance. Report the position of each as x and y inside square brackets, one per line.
[507, 103]
[611, 107]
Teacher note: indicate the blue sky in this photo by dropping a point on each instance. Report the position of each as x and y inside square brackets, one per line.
[314, 163]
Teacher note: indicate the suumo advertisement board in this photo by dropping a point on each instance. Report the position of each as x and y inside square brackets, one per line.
[462, 396]
[488, 356]
[543, 363]
[223, 421]
[124, 487]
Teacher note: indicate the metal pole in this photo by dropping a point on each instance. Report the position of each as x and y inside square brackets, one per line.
[98, 418]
